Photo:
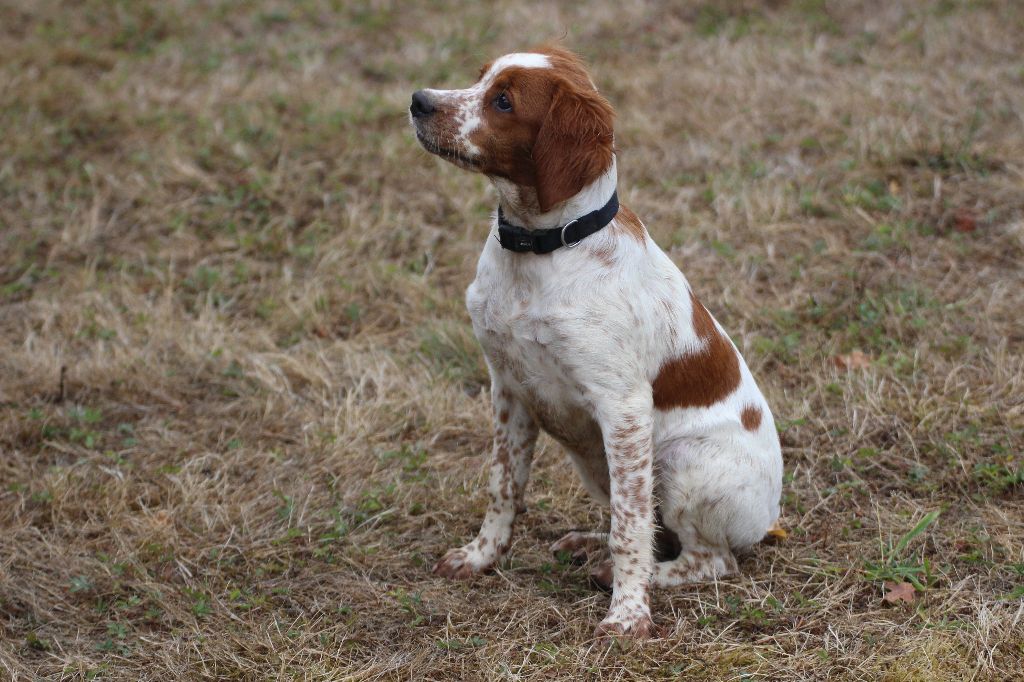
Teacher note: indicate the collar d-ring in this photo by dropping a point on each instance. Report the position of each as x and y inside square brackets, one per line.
[575, 243]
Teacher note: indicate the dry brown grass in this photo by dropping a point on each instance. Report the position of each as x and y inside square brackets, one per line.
[273, 414]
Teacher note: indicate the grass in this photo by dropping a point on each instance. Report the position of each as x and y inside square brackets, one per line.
[242, 411]
[893, 566]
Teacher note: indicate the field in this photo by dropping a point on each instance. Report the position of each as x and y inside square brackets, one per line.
[242, 411]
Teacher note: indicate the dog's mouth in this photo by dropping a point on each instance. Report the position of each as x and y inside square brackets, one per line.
[445, 152]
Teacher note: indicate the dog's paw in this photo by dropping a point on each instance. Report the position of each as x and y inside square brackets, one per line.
[578, 546]
[602, 576]
[634, 627]
[461, 562]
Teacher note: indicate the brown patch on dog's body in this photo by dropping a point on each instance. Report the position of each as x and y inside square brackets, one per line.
[703, 378]
[751, 417]
[627, 222]
[604, 253]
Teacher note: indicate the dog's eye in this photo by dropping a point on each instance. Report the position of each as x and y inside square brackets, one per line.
[502, 103]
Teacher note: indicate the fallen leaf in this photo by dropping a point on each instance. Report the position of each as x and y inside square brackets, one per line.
[895, 592]
[964, 220]
[894, 187]
[777, 532]
[853, 360]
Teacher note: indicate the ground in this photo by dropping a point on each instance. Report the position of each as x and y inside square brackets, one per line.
[242, 411]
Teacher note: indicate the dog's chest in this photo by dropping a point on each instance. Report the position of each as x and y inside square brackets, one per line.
[528, 343]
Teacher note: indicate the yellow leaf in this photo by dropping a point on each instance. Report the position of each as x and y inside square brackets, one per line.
[777, 532]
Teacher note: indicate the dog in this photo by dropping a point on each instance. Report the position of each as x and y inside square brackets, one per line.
[591, 333]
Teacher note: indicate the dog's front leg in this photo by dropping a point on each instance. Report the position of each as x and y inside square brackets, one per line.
[628, 446]
[515, 434]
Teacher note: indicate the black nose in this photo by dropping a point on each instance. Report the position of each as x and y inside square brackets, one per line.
[421, 105]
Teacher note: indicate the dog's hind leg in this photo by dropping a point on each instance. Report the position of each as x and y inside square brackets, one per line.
[719, 492]
[698, 561]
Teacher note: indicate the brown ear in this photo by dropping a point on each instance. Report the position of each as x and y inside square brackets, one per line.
[574, 145]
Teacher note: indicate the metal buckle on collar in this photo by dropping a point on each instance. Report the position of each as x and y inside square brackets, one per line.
[575, 243]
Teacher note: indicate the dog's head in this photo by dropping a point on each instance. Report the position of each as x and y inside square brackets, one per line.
[533, 118]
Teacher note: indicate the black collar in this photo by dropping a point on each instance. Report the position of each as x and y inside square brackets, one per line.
[521, 240]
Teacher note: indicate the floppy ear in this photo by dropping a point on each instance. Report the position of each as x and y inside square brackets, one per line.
[574, 145]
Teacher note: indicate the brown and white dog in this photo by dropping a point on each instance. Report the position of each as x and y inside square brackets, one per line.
[602, 343]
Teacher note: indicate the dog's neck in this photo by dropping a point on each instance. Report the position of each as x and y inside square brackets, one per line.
[520, 207]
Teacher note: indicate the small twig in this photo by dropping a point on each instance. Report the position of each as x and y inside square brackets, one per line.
[60, 389]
